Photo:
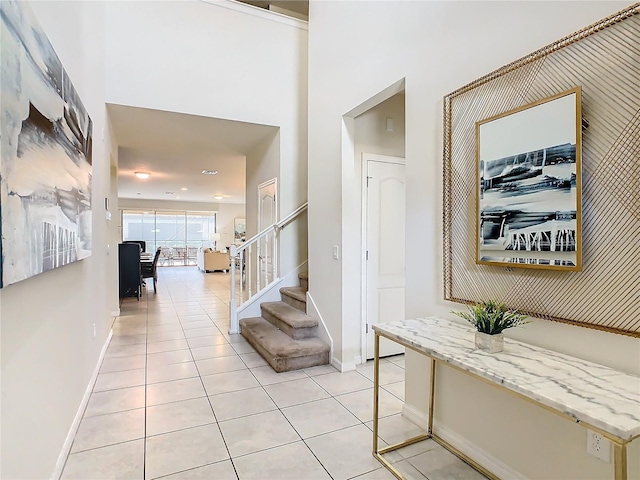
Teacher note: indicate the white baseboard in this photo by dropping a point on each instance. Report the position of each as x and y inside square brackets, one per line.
[66, 446]
[115, 313]
[323, 331]
[488, 461]
[416, 416]
[343, 366]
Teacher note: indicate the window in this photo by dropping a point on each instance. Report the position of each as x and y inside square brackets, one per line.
[179, 234]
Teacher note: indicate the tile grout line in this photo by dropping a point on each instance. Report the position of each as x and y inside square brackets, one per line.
[87, 405]
[298, 433]
[246, 367]
[215, 417]
[304, 440]
[187, 470]
[146, 351]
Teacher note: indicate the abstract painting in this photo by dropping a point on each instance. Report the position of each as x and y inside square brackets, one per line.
[529, 185]
[45, 163]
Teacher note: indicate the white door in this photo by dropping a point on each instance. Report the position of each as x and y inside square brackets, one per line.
[267, 215]
[385, 221]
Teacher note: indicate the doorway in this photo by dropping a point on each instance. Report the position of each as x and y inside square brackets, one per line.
[384, 239]
[375, 129]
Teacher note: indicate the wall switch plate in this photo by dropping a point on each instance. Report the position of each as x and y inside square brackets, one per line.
[598, 446]
[336, 252]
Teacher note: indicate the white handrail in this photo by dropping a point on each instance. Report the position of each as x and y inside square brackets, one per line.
[241, 257]
[284, 222]
[255, 238]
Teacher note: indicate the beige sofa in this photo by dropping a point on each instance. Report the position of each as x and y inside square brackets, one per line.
[209, 261]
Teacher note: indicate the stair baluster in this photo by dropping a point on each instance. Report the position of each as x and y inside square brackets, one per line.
[247, 263]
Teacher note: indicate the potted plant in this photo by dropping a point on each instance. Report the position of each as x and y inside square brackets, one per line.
[490, 319]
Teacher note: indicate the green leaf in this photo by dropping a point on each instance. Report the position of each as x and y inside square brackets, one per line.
[492, 317]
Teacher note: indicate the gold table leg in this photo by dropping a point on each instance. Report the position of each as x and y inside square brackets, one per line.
[376, 381]
[620, 449]
[620, 461]
[432, 394]
[377, 453]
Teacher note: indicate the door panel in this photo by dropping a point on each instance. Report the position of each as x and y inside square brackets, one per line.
[267, 215]
[390, 205]
[385, 225]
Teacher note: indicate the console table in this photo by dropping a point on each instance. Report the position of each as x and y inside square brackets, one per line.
[602, 399]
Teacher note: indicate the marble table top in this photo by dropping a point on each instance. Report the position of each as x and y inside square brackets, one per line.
[597, 395]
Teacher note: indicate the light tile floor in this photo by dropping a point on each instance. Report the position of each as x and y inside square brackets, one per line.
[177, 397]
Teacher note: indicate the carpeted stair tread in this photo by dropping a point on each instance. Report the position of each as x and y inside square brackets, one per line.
[282, 352]
[289, 315]
[303, 276]
[298, 293]
[278, 343]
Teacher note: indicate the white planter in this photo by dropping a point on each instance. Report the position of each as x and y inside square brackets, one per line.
[491, 343]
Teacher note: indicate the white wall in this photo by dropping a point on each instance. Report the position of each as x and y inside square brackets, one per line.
[220, 59]
[357, 49]
[370, 128]
[262, 165]
[225, 212]
[113, 236]
[48, 348]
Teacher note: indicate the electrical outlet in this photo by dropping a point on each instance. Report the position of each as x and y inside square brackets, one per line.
[598, 446]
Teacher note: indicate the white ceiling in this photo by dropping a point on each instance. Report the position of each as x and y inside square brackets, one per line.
[174, 148]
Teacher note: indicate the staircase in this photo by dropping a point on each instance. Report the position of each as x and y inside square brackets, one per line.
[285, 335]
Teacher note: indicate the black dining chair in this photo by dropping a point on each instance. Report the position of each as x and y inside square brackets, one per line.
[150, 269]
[142, 243]
[130, 280]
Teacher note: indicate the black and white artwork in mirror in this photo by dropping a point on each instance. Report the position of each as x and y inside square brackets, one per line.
[528, 199]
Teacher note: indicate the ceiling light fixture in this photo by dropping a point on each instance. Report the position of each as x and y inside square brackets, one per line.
[218, 197]
[142, 175]
[209, 172]
[184, 189]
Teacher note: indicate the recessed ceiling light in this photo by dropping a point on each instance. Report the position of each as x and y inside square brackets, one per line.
[209, 172]
[142, 175]
[218, 197]
[184, 189]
